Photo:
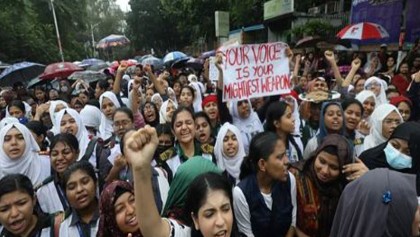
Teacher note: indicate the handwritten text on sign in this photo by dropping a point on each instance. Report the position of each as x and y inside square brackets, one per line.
[255, 70]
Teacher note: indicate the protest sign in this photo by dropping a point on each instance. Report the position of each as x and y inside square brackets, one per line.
[255, 70]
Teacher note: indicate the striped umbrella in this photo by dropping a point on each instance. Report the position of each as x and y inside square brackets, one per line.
[363, 31]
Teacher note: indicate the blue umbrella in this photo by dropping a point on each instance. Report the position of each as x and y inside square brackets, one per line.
[157, 63]
[112, 40]
[22, 71]
[174, 56]
[92, 61]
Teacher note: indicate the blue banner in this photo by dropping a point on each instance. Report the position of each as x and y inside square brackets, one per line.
[386, 13]
[413, 20]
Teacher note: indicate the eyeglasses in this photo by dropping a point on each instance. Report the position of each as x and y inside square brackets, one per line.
[390, 121]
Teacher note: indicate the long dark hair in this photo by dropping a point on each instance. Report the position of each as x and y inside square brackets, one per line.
[261, 147]
[197, 195]
[82, 165]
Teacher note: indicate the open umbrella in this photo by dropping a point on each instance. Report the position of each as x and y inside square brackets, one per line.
[23, 71]
[157, 63]
[97, 67]
[112, 40]
[61, 70]
[208, 54]
[363, 31]
[195, 63]
[174, 56]
[88, 76]
[91, 62]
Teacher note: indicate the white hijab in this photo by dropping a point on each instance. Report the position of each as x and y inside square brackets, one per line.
[82, 134]
[53, 105]
[105, 128]
[249, 126]
[379, 114]
[162, 112]
[381, 98]
[91, 116]
[363, 96]
[29, 163]
[8, 120]
[198, 98]
[231, 164]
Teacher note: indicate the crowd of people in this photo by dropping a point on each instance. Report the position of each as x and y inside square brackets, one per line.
[159, 153]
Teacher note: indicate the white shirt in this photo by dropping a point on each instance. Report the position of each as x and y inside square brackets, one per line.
[178, 230]
[241, 208]
[66, 230]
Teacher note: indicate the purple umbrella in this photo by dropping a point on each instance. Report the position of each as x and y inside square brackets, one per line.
[112, 40]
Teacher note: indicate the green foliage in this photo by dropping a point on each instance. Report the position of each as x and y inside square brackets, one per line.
[27, 29]
[314, 27]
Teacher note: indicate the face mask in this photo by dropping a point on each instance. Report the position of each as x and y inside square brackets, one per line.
[23, 120]
[396, 159]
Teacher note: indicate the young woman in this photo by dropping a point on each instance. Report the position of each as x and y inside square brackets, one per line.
[77, 104]
[207, 193]
[177, 89]
[319, 183]
[402, 79]
[404, 105]
[19, 154]
[280, 120]
[386, 196]
[230, 152]
[50, 193]
[20, 110]
[40, 95]
[198, 97]
[187, 96]
[210, 107]
[184, 129]
[331, 122]
[167, 110]
[18, 214]
[246, 120]
[151, 114]
[267, 192]
[166, 142]
[204, 129]
[109, 103]
[353, 111]
[80, 185]
[378, 87]
[368, 100]
[384, 120]
[157, 100]
[118, 211]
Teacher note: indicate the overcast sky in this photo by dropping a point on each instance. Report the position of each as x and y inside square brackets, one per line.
[124, 5]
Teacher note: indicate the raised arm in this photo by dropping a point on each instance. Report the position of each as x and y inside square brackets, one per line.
[329, 55]
[116, 88]
[158, 84]
[355, 65]
[139, 150]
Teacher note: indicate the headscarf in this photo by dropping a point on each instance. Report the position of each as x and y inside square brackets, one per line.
[379, 114]
[248, 126]
[398, 99]
[155, 97]
[184, 175]
[329, 193]
[198, 97]
[231, 164]
[53, 105]
[380, 203]
[171, 95]
[208, 99]
[29, 163]
[107, 224]
[162, 112]
[381, 98]
[28, 110]
[105, 128]
[364, 95]
[7, 120]
[82, 134]
[91, 116]
[323, 132]
[375, 157]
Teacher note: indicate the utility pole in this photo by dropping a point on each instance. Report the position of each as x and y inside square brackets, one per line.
[56, 31]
